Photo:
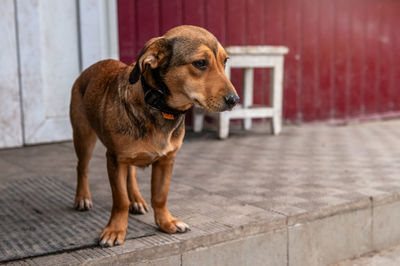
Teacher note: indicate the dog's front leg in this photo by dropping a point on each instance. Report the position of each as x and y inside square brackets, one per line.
[115, 231]
[160, 178]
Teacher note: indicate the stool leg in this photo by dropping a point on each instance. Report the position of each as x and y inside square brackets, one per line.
[223, 130]
[198, 119]
[248, 87]
[276, 124]
[276, 96]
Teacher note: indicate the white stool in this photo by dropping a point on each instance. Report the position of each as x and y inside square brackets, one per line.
[248, 58]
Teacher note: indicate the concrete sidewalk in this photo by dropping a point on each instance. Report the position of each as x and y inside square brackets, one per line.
[315, 195]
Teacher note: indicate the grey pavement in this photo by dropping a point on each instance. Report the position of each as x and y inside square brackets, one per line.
[315, 195]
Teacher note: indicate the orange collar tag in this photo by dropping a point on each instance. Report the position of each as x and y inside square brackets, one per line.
[168, 116]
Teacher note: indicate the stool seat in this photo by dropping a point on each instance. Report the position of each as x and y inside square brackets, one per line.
[248, 58]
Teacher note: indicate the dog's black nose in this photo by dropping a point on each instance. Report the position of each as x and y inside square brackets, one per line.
[231, 100]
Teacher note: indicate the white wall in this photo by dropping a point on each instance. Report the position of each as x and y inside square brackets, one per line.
[98, 22]
[59, 53]
[10, 112]
[53, 40]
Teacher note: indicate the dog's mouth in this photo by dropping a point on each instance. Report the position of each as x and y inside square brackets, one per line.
[227, 103]
[215, 103]
[213, 107]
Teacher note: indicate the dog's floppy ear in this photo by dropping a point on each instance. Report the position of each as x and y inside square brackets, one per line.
[156, 52]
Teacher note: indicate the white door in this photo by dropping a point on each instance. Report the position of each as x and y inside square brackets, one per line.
[44, 46]
[10, 110]
[53, 52]
[49, 56]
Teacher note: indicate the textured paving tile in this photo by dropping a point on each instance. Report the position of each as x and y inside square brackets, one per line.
[11, 172]
[304, 169]
[35, 220]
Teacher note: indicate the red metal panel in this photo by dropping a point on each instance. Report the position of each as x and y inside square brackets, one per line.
[126, 30]
[292, 85]
[395, 95]
[255, 36]
[341, 53]
[357, 58]
[171, 14]
[273, 33]
[236, 34]
[342, 61]
[194, 12]
[372, 57]
[235, 22]
[309, 21]
[255, 22]
[215, 19]
[147, 13]
[324, 104]
[386, 52]
[274, 22]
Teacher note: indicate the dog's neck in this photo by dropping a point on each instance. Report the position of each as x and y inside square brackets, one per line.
[157, 98]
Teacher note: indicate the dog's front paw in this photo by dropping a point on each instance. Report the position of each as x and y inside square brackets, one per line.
[83, 204]
[174, 226]
[138, 207]
[111, 237]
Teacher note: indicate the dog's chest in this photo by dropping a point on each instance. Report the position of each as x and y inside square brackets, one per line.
[144, 153]
[144, 159]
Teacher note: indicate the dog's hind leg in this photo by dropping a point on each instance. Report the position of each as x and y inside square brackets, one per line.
[138, 204]
[84, 142]
[83, 147]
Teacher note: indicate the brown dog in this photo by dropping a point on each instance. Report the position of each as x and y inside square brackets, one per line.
[137, 112]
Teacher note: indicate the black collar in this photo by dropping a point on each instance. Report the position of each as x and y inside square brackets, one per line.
[157, 99]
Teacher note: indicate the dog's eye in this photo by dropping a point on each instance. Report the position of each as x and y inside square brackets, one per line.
[200, 64]
[226, 59]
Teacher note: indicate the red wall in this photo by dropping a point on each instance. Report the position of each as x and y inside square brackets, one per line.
[344, 59]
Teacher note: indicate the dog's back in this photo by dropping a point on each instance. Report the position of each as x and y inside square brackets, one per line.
[95, 79]
[88, 95]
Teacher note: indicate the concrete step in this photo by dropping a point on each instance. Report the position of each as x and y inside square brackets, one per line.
[315, 195]
[386, 257]
[315, 238]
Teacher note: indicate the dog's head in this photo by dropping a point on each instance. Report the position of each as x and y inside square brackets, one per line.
[190, 61]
